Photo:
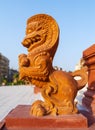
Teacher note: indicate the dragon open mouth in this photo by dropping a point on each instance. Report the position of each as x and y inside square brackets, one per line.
[27, 42]
[33, 41]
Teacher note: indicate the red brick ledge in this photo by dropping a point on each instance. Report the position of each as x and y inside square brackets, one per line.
[20, 118]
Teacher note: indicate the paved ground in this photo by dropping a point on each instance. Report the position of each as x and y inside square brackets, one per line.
[11, 96]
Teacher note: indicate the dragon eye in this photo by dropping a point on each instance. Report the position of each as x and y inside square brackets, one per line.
[39, 28]
[29, 31]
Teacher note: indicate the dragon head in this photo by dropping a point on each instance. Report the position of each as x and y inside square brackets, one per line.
[36, 35]
[42, 34]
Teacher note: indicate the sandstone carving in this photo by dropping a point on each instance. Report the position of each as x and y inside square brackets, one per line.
[58, 87]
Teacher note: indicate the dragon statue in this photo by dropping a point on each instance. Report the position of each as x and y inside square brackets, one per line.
[58, 88]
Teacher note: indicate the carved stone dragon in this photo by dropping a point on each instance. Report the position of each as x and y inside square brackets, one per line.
[58, 87]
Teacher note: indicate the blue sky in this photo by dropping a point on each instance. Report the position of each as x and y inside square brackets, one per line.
[76, 20]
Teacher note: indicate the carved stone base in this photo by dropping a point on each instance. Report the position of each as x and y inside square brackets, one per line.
[20, 118]
[89, 100]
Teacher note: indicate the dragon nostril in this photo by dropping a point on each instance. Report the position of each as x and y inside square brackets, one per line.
[26, 43]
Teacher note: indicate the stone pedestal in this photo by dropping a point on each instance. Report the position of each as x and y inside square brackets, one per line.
[20, 119]
[89, 99]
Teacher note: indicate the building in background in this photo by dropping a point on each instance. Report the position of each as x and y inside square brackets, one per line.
[4, 67]
[6, 74]
[80, 64]
[12, 73]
